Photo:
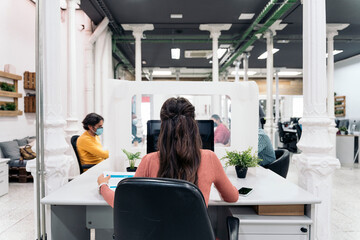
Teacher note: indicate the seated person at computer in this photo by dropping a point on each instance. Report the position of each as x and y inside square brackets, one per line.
[180, 156]
[265, 148]
[222, 133]
[134, 129]
[88, 144]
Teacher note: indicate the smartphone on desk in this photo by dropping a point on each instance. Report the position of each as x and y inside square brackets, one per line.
[244, 191]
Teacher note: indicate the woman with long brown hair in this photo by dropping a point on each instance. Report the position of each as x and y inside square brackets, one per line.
[180, 155]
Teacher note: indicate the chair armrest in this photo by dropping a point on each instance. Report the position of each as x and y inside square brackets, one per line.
[7, 160]
[233, 227]
[87, 166]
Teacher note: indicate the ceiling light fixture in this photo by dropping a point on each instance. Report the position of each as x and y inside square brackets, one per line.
[176, 15]
[161, 72]
[290, 73]
[250, 73]
[335, 52]
[221, 52]
[143, 62]
[246, 16]
[283, 41]
[264, 55]
[175, 53]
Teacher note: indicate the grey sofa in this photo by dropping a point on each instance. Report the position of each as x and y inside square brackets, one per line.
[11, 150]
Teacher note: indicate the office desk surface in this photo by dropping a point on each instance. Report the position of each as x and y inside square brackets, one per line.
[268, 189]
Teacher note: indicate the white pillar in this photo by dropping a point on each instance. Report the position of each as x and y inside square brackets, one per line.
[72, 120]
[237, 68]
[277, 102]
[269, 85]
[138, 30]
[331, 32]
[246, 66]
[89, 67]
[56, 162]
[215, 32]
[316, 163]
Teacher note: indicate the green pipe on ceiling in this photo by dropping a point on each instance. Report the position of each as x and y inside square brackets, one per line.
[122, 57]
[275, 16]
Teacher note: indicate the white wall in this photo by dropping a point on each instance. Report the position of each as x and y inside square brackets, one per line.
[17, 47]
[347, 83]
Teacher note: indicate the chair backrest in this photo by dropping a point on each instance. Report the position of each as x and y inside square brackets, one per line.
[298, 130]
[281, 131]
[281, 164]
[160, 209]
[73, 144]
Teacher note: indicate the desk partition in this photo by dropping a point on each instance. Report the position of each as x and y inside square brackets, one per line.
[118, 99]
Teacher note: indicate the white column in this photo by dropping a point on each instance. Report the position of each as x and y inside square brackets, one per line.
[269, 85]
[89, 67]
[72, 120]
[316, 163]
[277, 105]
[138, 30]
[246, 66]
[215, 32]
[56, 162]
[277, 102]
[331, 32]
[237, 68]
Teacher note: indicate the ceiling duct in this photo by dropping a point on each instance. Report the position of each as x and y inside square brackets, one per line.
[198, 53]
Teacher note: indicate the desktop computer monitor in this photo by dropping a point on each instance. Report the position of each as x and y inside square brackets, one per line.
[206, 129]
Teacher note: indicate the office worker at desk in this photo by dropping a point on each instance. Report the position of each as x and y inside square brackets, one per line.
[180, 156]
[89, 147]
[222, 133]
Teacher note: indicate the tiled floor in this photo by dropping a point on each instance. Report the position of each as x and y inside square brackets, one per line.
[17, 214]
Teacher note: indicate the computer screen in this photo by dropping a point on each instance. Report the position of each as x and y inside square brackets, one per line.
[206, 129]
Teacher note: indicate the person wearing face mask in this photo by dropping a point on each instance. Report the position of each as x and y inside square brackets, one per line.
[88, 144]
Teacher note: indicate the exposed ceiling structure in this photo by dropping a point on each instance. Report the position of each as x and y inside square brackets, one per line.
[183, 31]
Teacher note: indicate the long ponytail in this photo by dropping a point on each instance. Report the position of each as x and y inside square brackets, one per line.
[179, 141]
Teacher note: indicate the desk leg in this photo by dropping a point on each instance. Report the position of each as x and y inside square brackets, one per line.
[69, 222]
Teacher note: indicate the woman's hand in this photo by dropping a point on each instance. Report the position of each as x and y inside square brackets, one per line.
[102, 179]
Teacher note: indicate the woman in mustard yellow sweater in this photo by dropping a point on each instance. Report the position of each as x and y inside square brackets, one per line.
[88, 144]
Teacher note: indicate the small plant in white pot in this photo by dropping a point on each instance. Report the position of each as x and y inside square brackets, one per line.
[132, 159]
[242, 161]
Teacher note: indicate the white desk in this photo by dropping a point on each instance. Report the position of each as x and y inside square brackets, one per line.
[78, 206]
[346, 148]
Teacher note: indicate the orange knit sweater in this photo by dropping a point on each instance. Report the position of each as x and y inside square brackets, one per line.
[210, 171]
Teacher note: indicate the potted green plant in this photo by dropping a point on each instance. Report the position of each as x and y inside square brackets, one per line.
[132, 158]
[343, 130]
[241, 160]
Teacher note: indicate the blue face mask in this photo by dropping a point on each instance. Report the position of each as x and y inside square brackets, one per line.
[134, 121]
[99, 131]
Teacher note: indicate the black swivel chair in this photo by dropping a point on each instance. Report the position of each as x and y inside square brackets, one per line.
[162, 209]
[73, 144]
[281, 164]
[289, 139]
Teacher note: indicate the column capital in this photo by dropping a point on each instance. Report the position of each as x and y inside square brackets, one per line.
[332, 29]
[269, 33]
[215, 29]
[138, 29]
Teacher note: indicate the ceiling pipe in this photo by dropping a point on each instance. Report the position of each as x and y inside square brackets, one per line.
[126, 63]
[275, 16]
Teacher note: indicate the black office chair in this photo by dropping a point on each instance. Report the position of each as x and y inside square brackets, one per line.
[298, 130]
[73, 144]
[162, 209]
[281, 164]
[289, 139]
